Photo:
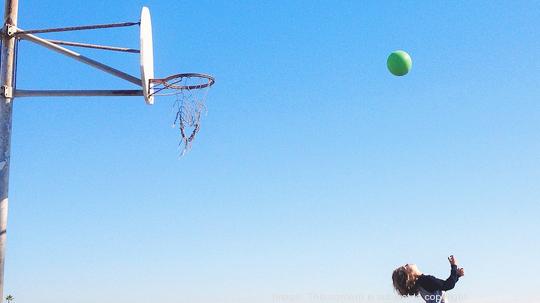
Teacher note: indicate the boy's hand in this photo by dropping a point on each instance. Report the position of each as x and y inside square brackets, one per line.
[452, 260]
[460, 272]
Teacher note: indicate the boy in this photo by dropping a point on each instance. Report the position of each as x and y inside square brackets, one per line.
[409, 281]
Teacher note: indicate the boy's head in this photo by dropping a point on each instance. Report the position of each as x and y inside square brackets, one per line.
[404, 279]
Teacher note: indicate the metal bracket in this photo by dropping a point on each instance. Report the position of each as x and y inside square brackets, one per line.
[76, 56]
[7, 92]
[11, 30]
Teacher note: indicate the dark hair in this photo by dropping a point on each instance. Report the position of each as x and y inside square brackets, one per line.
[404, 282]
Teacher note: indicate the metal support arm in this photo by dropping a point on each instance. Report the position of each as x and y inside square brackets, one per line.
[77, 28]
[95, 46]
[76, 93]
[74, 55]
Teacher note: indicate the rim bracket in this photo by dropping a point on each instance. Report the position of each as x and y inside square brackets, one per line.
[7, 92]
[11, 30]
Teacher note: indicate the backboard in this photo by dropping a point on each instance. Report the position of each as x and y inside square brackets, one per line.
[147, 55]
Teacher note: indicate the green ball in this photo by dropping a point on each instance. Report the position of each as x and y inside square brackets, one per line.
[399, 63]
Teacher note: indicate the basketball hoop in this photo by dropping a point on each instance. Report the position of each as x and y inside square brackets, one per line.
[173, 85]
[190, 90]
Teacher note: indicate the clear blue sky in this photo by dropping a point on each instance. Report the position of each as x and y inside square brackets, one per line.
[316, 172]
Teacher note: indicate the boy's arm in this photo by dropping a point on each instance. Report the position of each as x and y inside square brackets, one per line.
[431, 283]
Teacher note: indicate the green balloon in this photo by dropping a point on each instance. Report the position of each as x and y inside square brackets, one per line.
[399, 63]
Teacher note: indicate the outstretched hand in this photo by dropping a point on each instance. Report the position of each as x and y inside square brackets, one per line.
[453, 261]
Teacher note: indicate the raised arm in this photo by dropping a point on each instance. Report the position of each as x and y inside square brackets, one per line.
[431, 283]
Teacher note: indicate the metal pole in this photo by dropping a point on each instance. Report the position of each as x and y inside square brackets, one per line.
[103, 47]
[76, 93]
[6, 107]
[79, 28]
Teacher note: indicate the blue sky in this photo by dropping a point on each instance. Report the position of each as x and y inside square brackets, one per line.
[316, 172]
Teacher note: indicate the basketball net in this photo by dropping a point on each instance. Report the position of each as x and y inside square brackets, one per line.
[190, 91]
[190, 105]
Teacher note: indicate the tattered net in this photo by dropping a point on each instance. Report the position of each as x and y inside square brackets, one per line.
[190, 91]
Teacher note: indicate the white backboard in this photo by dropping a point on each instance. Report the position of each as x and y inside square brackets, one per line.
[147, 55]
